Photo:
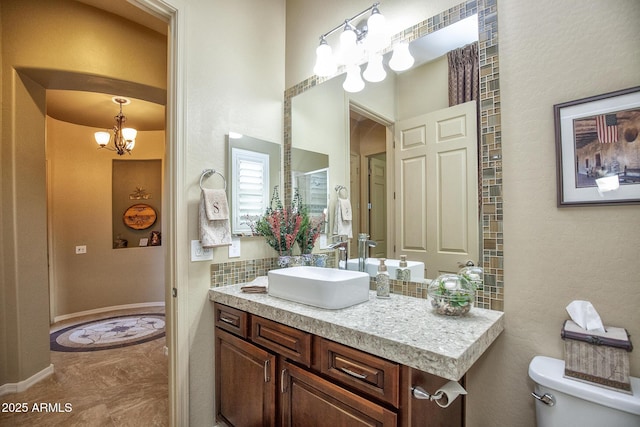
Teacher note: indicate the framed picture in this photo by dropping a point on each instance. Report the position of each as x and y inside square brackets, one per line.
[598, 149]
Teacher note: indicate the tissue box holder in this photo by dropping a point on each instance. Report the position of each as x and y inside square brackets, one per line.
[596, 357]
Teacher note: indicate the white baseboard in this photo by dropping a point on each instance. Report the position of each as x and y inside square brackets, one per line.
[104, 309]
[23, 385]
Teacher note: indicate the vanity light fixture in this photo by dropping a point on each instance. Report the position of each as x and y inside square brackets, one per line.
[124, 139]
[365, 41]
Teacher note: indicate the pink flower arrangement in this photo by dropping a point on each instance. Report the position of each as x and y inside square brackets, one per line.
[283, 227]
[280, 226]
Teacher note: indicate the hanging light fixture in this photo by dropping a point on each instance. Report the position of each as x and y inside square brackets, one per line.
[124, 139]
[368, 39]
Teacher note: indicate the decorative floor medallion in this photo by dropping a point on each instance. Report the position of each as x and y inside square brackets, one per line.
[104, 334]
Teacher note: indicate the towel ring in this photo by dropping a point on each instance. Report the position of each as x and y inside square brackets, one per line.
[207, 173]
[340, 188]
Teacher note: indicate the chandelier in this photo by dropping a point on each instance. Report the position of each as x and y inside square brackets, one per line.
[364, 42]
[124, 139]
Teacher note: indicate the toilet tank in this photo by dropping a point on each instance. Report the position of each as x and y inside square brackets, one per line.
[578, 403]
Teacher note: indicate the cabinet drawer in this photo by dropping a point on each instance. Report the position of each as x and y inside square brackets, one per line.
[307, 399]
[292, 343]
[365, 372]
[231, 320]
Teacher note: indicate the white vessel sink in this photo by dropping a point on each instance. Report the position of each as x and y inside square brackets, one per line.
[320, 287]
[371, 267]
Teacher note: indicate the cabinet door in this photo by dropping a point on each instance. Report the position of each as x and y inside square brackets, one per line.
[425, 413]
[310, 401]
[245, 382]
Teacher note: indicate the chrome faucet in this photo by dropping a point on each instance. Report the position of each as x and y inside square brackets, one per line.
[363, 245]
[342, 245]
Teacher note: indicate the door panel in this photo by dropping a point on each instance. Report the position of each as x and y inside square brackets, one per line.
[378, 208]
[436, 188]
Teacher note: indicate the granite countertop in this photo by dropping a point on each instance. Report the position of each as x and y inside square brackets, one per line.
[401, 329]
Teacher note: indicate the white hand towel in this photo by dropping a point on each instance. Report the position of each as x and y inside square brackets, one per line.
[345, 207]
[342, 226]
[215, 204]
[215, 232]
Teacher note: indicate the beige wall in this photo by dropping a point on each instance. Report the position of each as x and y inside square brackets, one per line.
[550, 52]
[234, 80]
[81, 214]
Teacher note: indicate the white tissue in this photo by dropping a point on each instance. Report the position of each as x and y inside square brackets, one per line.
[446, 394]
[607, 183]
[585, 315]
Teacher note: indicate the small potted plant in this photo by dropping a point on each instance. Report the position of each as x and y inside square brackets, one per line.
[451, 294]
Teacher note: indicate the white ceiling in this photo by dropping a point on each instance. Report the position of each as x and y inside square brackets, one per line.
[97, 109]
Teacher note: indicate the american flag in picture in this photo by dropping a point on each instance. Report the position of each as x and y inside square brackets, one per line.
[607, 128]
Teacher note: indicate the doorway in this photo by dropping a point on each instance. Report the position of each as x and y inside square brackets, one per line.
[146, 266]
[368, 178]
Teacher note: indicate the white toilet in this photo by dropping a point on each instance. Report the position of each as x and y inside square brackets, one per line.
[576, 403]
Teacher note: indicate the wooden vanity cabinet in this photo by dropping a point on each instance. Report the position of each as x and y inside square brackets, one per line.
[269, 374]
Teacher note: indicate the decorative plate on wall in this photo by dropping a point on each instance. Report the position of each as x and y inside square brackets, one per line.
[139, 217]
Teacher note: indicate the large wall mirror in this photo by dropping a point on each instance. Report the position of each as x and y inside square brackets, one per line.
[344, 118]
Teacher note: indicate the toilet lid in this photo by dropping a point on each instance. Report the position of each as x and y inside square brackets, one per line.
[549, 372]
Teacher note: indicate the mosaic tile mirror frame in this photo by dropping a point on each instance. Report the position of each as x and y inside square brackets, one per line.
[491, 296]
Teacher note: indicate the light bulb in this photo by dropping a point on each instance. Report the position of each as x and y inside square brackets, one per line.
[375, 71]
[348, 46]
[325, 63]
[377, 35]
[401, 59]
[129, 134]
[130, 144]
[102, 138]
[353, 82]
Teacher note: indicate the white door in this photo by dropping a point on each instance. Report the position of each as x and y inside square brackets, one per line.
[378, 206]
[436, 189]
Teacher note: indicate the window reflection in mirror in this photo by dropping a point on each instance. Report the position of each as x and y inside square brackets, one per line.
[254, 170]
[310, 176]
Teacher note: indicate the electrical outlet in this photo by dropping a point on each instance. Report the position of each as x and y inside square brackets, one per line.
[81, 249]
[198, 253]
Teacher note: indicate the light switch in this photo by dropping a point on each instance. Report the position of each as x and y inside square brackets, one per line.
[198, 253]
[81, 249]
[234, 248]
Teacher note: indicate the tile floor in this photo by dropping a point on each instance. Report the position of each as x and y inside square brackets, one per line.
[119, 387]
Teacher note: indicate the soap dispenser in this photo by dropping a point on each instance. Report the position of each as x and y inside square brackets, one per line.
[403, 272]
[382, 280]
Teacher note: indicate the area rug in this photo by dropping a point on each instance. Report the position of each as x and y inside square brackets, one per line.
[104, 334]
